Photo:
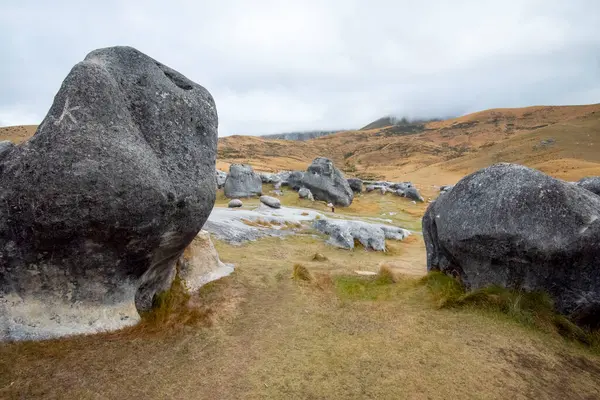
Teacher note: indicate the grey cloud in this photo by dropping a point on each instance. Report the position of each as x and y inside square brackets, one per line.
[280, 66]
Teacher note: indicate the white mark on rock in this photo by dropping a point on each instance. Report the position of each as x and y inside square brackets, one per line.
[67, 113]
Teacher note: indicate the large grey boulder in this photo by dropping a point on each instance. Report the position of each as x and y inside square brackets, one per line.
[96, 208]
[327, 183]
[220, 178]
[356, 185]
[591, 183]
[516, 227]
[345, 233]
[267, 177]
[270, 201]
[242, 181]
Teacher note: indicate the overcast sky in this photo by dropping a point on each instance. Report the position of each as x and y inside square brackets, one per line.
[280, 66]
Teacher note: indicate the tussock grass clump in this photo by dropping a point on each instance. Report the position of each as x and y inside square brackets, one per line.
[172, 308]
[378, 287]
[533, 309]
[301, 273]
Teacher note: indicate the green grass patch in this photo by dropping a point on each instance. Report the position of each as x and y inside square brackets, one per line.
[532, 309]
[377, 287]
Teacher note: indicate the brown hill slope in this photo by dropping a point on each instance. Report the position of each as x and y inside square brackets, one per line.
[436, 152]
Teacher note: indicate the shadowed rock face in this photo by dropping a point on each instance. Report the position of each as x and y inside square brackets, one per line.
[513, 226]
[327, 183]
[355, 184]
[591, 183]
[242, 181]
[100, 203]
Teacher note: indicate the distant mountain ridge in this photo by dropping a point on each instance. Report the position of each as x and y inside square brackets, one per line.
[300, 136]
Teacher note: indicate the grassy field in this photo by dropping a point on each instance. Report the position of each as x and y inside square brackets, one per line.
[327, 334]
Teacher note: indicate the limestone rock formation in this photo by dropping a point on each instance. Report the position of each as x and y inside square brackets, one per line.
[516, 227]
[99, 204]
[327, 183]
[355, 184]
[200, 264]
[270, 201]
[242, 181]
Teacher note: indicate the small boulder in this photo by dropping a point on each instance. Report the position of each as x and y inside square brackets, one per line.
[355, 184]
[327, 183]
[235, 203]
[242, 181]
[413, 194]
[267, 177]
[270, 201]
[305, 193]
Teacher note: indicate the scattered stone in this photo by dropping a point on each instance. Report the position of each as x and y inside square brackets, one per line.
[267, 177]
[327, 183]
[235, 203]
[345, 233]
[305, 193]
[319, 257]
[355, 184]
[242, 181]
[220, 177]
[277, 185]
[365, 273]
[200, 264]
[283, 177]
[270, 201]
[100, 203]
[591, 183]
[516, 227]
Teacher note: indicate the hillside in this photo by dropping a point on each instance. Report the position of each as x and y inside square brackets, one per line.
[559, 140]
[301, 136]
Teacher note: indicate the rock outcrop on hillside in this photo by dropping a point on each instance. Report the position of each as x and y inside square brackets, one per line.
[99, 204]
[516, 227]
[242, 181]
[327, 183]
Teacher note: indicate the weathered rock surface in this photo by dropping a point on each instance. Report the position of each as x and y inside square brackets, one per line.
[5, 147]
[270, 201]
[97, 207]
[516, 227]
[345, 233]
[591, 183]
[235, 203]
[220, 178]
[242, 181]
[305, 193]
[413, 194]
[267, 177]
[295, 180]
[200, 264]
[355, 184]
[327, 183]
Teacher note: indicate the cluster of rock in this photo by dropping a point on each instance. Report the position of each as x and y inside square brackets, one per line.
[402, 189]
[345, 233]
[516, 227]
[99, 205]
